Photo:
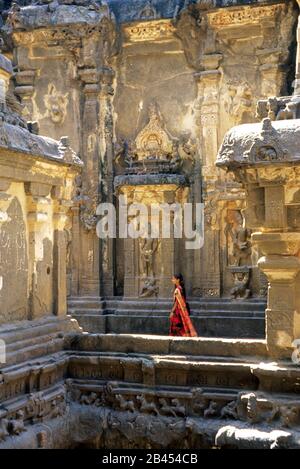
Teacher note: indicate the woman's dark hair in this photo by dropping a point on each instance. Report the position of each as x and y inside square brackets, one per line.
[181, 283]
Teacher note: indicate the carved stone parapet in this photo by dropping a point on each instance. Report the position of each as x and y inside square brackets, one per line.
[241, 17]
[149, 31]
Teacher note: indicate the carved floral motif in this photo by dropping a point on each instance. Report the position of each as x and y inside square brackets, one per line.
[150, 31]
[244, 16]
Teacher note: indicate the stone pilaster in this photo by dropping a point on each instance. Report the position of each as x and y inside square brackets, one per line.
[60, 218]
[282, 313]
[269, 172]
[39, 249]
[4, 202]
[106, 178]
[89, 249]
[208, 92]
[75, 285]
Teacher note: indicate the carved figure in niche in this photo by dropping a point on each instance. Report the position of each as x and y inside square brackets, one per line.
[56, 104]
[267, 153]
[240, 237]
[147, 407]
[148, 248]
[240, 102]
[240, 289]
[125, 152]
[187, 148]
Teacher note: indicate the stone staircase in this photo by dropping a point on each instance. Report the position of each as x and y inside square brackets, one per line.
[212, 317]
[106, 390]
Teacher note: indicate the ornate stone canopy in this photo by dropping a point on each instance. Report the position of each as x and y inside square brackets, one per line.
[263, 143]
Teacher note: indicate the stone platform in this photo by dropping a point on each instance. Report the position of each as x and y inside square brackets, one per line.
[212, 317]
[73, 389]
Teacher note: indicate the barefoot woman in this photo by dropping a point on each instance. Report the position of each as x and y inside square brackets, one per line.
[180, 322]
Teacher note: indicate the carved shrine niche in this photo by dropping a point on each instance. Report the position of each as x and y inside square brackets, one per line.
[154, 150]
[238, 240]
[153, 142]
[239, 250]
[267, 147]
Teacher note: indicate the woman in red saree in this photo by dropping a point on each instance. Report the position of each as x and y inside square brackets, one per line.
[180, 322]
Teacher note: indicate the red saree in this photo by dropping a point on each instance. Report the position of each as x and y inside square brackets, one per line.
[180, 322]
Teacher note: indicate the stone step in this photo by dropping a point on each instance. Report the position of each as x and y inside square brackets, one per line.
[146, 304]
[160, 346]
[166, 305]
[165, 313]
[215, 326]
[26, 330]
[31, 339]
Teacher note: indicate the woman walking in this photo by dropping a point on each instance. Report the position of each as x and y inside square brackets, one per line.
[180, 322]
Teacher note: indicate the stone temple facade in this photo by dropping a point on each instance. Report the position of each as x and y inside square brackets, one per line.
[151, 100]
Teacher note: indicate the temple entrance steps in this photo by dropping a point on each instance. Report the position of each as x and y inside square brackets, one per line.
[212, 317]
[171, 348]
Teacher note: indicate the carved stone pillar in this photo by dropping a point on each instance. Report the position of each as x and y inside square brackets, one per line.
[40, 249]
[106, 178]
[4, 202]
[131, 271]
[60, 219]
[75, 250]
[89, 252]
[208, 92]
[265, 159]
[282, 313]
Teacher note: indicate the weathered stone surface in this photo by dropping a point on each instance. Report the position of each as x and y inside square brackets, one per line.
[146, 91]
[261, 144]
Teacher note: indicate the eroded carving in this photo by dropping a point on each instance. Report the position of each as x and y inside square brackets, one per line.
[56, 104]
